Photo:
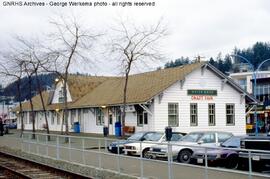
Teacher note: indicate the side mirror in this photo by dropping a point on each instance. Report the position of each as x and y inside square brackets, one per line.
[142, 139]
[200, 142]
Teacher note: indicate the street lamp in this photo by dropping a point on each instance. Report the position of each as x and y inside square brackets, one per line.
[255, 72]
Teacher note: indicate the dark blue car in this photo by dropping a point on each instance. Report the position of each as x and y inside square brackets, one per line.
[222, 156]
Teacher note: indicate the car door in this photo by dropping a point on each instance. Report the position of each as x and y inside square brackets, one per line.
[208, 140]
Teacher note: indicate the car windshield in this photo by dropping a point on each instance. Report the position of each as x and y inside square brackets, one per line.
[233, 142]
[192, 137]
[136, 136]
[153, 136]
[176, 137]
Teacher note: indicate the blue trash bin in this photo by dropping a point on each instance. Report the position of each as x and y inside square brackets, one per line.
[117, 126]
[76, 127]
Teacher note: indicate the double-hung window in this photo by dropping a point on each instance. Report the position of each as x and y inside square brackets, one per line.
[142, 118]
[61, 95]
[99, 117]
[230, 114]
[173, 116]
[193, 114]
[211, 114]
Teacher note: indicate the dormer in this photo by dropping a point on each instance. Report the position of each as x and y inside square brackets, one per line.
[58, 95]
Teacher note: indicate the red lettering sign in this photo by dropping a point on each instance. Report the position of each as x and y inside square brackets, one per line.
[200, 98]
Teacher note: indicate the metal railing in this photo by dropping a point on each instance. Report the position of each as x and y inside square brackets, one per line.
[92, 152]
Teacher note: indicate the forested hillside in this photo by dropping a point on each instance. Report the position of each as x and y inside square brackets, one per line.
[259, 52]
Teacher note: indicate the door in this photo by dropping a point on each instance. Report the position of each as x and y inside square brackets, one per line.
[142, 120]
[83, 120]
[145, 121]
[111, 126]
[208, 140]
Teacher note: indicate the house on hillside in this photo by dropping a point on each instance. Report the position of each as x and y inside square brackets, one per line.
[188, 98]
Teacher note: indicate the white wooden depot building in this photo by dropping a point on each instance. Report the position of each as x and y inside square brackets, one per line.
[194, 97]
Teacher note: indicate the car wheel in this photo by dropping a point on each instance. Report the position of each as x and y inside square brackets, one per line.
[232, 162]
[184, 156]
[145, 153]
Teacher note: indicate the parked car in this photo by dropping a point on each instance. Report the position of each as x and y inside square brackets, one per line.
[138, 136]
[260, 157]
[223, 156]
[182, 150]
[12, 125]
[5, 126]
[150, 139]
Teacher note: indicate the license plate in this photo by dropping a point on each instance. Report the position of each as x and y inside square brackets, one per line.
[110, 147]
[199, 160]
[125, 152]
[257, 158]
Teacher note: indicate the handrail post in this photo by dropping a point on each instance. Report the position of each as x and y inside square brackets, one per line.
[29, 140]
[249, 165]
[141, 159]
[99, 154]
[169, 160]
[57, 147]
[69, 148]
[118, 157]
[47, 146]
[83, 146]
[206, 163]
[22, 143]
[37, 144]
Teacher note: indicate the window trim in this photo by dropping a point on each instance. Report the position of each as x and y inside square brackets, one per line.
[101, 115]
[214, 114]
[229, 124]
[176, 115]
[143, 119]
[196, 114]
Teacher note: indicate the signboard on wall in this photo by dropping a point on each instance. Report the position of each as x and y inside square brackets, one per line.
[202, 92]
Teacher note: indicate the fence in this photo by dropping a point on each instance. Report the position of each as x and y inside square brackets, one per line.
[92, 152]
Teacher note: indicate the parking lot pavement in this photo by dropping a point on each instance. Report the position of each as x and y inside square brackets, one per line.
[124, 164]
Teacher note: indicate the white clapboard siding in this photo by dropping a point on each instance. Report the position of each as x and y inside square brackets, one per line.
[207, 81]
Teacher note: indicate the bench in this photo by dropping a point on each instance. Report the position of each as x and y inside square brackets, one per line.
[129, 129]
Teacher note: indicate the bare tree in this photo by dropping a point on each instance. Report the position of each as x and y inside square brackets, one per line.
[133, 45]
[10, 66]
[72, 43]
[34, 56]
[30, 57]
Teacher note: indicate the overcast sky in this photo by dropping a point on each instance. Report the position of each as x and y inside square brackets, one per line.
[197, 27]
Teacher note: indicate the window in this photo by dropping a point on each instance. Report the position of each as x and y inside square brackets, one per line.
[72, 116]
[142, 118]
[118, 115]
[53, 115]
[211, 114]
[110, 119]
[230, 114]
[61, 95]
[145, 118]
[208, 138]
[25, 117]
[58, 118]
[193, 114]
[79, 115]
[173, 116]
[223, 137]
[31, 117]
[99, 117]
